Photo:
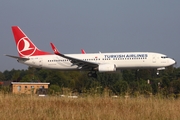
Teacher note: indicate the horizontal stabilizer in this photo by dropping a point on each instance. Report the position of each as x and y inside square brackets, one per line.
[16, 57]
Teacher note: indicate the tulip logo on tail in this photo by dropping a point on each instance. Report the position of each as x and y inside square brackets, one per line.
[25, 47]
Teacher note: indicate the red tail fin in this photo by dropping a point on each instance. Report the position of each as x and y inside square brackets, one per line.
[25, 46]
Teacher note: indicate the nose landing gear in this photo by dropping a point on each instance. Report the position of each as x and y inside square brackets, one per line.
[157, 72]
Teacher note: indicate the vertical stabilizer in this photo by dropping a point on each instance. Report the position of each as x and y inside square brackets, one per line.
[25, 46]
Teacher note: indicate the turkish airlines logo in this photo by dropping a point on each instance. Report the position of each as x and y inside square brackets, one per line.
[25, 47]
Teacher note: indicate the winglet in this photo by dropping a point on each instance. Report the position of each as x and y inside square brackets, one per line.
[83, 51]
[55, 49]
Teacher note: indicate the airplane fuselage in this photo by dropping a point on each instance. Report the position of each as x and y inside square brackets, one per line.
[120, 60]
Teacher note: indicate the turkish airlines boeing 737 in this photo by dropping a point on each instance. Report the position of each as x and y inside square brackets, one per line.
[30, 55]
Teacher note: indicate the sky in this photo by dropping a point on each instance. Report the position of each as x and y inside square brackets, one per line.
[93, 25]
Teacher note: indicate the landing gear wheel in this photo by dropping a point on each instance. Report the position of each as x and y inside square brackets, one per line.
[157, 72]
[91, 74]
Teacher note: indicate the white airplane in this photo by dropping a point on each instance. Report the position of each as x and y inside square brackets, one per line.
[30, 55]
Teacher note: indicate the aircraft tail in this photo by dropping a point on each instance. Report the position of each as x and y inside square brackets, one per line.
[25, 46]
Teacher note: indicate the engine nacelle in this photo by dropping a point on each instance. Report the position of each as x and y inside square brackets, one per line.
[107, 67]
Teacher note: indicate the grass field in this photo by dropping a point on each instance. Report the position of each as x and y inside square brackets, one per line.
[15, 107]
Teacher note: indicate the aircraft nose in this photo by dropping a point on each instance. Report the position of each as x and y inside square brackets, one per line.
[172, 62]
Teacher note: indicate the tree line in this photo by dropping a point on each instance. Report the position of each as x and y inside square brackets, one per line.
[131, 82]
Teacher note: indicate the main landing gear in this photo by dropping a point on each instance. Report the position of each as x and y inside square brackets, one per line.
[92, 74]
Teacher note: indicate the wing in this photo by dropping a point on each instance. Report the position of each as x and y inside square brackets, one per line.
[86, 65]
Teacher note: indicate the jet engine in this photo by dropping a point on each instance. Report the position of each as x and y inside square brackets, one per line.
[107, 67]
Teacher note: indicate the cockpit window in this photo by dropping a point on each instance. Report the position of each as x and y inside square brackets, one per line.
[164, 57]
